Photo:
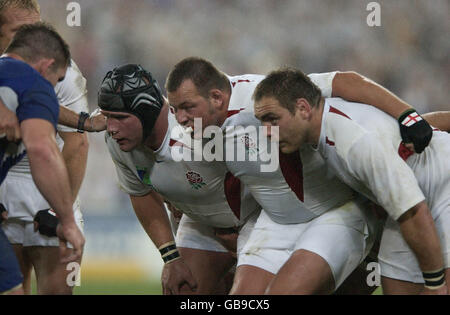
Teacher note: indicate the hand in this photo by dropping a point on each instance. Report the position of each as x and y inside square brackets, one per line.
[176, 274]
[70, 232]
[415, 131]
[96, 122]
[441, 291]
[9, 124]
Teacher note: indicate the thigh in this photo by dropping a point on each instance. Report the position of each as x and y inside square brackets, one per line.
[305, 272]
[208, 268]
[268, 245]
[25, 267]
[53, 277]
[251, 280]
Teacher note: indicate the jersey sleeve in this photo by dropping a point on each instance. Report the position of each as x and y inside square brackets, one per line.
[129, 181]
[324, 81]
[386, 175]
[39, 101]
[72, 93]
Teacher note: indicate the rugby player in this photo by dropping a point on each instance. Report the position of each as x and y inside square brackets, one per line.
[299, 198]
[35, 61]
[141, 135]
[19, 194]
[364, 148]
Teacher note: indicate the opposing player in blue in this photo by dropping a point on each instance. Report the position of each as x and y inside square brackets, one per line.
[34, 62]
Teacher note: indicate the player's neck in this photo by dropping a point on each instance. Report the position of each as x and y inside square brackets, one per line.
[316, 124]
[14, 56]
[224, 110]
[156, 138]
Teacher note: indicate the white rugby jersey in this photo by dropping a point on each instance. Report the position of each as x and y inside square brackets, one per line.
[205, 191]
[71, 93]
[362, 146]
[300, 188]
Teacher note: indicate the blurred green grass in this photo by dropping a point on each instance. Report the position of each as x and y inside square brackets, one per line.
[102, 287]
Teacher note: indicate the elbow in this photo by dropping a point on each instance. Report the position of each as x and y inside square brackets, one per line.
[78, 145]
[41, 150]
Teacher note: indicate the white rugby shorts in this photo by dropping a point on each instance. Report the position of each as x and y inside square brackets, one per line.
[342, 237]
[22, 199]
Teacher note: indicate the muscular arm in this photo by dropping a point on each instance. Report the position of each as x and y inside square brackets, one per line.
[356, 88]
[153, 217]
[75, 153]
[47, 166]
[50, 175]
[439, 120]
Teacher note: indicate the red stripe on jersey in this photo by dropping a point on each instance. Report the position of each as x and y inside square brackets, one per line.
[328, 141]
[173, 142]
[337, 111]
[239, 81]
[234, 112]
[232, 187]
[404, 152]
[292, 169]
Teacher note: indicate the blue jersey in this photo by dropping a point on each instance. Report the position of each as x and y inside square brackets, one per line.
[26, 92]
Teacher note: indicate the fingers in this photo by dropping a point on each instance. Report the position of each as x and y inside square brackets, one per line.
[192, 283]
[13, 133]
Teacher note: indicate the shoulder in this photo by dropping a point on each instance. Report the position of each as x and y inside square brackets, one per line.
[340, 130]
[18, 75]
[73, 87]
[242, 89]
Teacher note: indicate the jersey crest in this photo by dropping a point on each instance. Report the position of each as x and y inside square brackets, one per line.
[144, 175]
[195, 179]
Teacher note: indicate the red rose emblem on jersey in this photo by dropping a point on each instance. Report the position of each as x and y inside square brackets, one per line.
[195, 179]
[250, 144]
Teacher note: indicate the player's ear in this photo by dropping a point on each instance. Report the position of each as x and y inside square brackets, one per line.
[216, 98]
[303, 107]
[44, 65]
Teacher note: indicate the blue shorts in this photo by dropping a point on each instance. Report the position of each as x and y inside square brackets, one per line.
[10, 275]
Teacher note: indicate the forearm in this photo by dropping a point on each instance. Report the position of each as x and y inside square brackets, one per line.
[354, 87]
[50, 175]
[68, 117]
[440, 120]
[418, 230]
[75, 153]
[153, 217]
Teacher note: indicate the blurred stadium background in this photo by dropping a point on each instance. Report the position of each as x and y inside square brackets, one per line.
[408, 53]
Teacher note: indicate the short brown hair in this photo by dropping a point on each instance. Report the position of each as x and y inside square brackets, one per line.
[31, 5]
[203, 74]
[40, 40]
[286, 86]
